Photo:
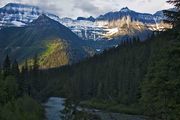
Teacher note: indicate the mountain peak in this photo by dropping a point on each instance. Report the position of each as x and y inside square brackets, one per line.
[43, 16]
[43, 20]
[20, 5]
[125, 9]
[91, 18]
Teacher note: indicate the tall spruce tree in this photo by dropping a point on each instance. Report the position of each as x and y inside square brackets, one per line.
[35, 74]
[16, 73]
[173, 15]
[35, 63]
[176, 3]
[15, 69]
[6, 66]
[25, 84]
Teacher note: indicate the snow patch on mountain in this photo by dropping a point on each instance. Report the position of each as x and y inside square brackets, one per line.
[19, 14]
[112, 31]
[18, 24]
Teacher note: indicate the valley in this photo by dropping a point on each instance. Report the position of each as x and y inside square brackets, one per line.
[117, 64]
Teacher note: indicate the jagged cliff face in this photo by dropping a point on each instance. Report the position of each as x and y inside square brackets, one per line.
[145, 18]
[128, 26]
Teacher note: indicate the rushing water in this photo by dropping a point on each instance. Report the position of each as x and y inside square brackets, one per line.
[53, 107]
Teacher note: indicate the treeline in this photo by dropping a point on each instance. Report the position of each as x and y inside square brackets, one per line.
[16, 102]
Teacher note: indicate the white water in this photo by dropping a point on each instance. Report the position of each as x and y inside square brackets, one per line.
[53, 107]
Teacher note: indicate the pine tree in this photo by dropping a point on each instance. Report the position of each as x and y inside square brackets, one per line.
[173, 15]
[15, 69]
[2, 91]
[176, 3]
[16, 73]
[7, 66]
[35, 74]
[35, 63]
[11, 88]
[25, 84]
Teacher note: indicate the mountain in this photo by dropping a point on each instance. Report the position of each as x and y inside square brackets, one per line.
[104, 27]
[135, 16]
[105, 31]
[14, 14]
[129, 22]
[55, 44]
[91, 18]
[114, 25]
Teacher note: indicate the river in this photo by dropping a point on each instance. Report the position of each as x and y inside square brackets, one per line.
[55, 104]
[53, 107]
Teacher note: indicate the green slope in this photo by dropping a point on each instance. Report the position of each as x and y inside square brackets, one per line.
[39, 38]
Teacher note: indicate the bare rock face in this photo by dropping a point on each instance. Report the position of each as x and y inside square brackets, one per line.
[127, 26]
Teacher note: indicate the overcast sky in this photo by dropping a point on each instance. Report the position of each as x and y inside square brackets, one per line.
[74, 8]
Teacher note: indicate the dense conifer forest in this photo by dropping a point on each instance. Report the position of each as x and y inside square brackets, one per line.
[16, 102]
[140, 74]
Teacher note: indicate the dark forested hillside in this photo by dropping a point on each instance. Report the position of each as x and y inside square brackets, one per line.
[145, 73]
[161, 85]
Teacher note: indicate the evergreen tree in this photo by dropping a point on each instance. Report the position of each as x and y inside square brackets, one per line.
[173, 15]
[35, 74]
[176, 3]
[35, 64]
[15, 69]
[12, 105]
[2, 91]
[160, 89]
[16, 73]
[25, 83]
[11, 88]
[6, 66]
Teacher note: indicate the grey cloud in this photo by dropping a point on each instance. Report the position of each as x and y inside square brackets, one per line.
[51, 7]
[86, 6]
